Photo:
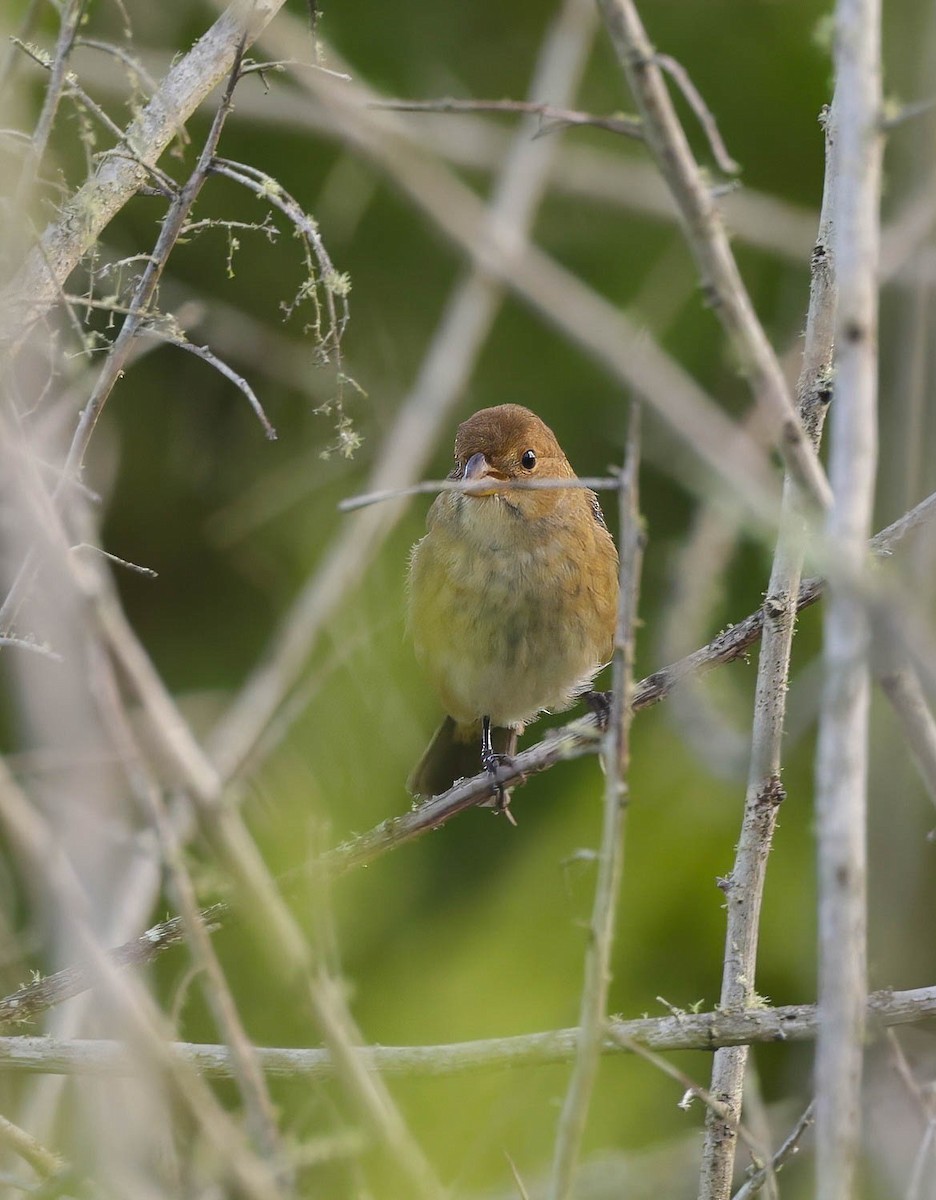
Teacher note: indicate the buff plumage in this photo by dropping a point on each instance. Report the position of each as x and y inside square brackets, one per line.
[513, 593]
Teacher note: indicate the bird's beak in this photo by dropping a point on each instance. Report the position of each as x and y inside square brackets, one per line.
[479, 470]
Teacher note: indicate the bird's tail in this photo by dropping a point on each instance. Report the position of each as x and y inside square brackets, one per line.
[455, 753]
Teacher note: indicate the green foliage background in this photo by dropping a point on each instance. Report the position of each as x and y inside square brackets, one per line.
[479, 929]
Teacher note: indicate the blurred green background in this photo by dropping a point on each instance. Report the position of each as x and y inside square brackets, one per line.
[479, 929]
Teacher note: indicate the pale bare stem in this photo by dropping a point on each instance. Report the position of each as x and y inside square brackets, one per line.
[284, 947]
[685, 1031]
[708, 240]
[422, 417]
[43, 1161]
[925, 1099]
[135, 68]
[71, 16]
[36, 286]
[744, 887]
[549, 114]
[841, 768]
[788, 1150]
[20, 643]
[260, 1115]
[132, 1006]
[900, 683]
[616, 757]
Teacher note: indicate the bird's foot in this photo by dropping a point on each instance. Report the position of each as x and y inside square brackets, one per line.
[492, 763]
[600, 704]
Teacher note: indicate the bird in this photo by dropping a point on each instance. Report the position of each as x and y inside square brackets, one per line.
[512, 597]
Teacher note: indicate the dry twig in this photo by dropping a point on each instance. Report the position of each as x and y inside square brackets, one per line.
[616, 758]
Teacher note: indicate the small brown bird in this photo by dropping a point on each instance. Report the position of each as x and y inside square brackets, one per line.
[512, 595]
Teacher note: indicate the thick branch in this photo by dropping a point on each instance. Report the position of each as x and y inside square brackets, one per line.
[842, 756]
[683, 1031]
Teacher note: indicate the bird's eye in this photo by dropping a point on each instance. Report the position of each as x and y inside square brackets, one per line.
[528, 460]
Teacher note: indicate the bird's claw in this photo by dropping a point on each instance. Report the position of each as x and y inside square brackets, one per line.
[600, 704]
[492, 763]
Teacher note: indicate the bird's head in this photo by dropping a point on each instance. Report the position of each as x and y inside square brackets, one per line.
[507, 443]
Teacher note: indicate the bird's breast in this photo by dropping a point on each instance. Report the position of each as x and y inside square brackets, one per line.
[507, 618]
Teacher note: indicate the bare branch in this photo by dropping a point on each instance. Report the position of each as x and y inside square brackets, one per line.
[71, 17]
[43, 1161]
[842, 756]
[702, 111]
[705, 231]
[222, 367]
[561, 117]
[675, 1032]
[789, 1148]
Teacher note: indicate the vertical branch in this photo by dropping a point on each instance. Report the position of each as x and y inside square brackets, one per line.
[841, 769]
[593, 1009]
[705, 233]
[744, 888]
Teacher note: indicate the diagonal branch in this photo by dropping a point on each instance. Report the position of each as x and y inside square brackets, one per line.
[709, 243]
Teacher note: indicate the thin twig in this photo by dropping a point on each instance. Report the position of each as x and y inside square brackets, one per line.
[704, 114]
[691, 1089]
[43, 1161]
[616, 757]
[222, 367]
[704, 1032]
[429, 486]
[900, 683]
[21, 643]
[789, 1148]
[628, 126]
[842, 754]
[708, 240]
[71, 17]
